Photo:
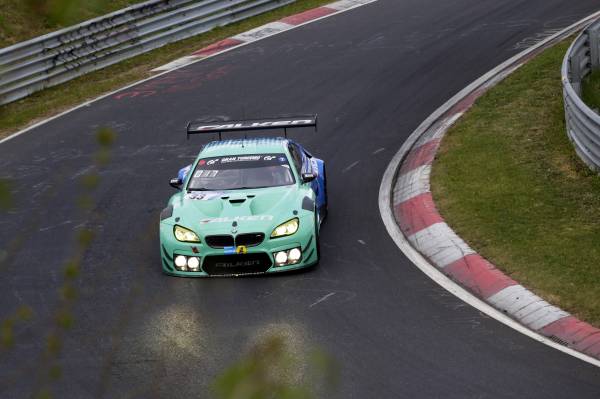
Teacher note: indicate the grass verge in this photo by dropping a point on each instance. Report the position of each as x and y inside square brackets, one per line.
[508, 181]
[24, 19]
[48, 102]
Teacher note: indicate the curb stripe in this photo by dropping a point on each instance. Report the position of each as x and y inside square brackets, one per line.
[575, 332]
[216, 47]
[440, 244]
[411, 184]
[420, 156]
[343, 5]
[262, 32]
[590, 341]
[479, 275]
[526, 307]
[417, 214]
[308, 15]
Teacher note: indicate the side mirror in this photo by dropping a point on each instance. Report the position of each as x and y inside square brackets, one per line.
[176, 183]
[308, 177]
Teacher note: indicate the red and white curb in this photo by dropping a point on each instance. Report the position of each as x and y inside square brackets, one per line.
[411, 217]
[265, 31]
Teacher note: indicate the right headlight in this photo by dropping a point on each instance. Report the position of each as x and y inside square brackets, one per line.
[185, 235]
[286, 229]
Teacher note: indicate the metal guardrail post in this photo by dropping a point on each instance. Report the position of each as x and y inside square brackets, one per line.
[593, 33]
[575, 73]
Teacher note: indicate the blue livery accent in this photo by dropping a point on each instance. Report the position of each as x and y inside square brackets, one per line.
[183, 172]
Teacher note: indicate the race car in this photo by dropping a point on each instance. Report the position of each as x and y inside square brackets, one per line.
[246, 205]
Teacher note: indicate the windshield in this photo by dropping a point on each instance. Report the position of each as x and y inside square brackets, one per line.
[241, 172]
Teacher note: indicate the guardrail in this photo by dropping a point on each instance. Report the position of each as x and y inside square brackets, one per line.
[63, 55]
[583, 123]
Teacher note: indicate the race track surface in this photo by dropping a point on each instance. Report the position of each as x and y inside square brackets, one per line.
[372, 74]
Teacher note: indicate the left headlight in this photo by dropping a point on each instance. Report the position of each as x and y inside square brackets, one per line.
[185, 235]
[286, 229]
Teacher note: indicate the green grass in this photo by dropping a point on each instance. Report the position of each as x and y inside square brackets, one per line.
[591, 90]
[19, 114]
[508, 180]
[24, 19]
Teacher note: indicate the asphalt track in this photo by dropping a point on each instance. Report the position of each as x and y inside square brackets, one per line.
[373, 74]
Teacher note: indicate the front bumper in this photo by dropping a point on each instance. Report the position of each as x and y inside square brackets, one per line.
[217, 262]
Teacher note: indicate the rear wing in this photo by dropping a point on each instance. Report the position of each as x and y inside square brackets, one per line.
[285, 123]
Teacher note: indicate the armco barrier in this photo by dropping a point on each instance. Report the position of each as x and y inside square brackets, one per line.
[583, 124]
[63, 55]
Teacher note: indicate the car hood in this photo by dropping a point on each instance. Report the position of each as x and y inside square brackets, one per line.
[255, 210]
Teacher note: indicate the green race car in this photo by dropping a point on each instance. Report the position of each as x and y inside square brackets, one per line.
[245, 206]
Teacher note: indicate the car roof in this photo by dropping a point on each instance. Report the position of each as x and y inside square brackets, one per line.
[264, 145]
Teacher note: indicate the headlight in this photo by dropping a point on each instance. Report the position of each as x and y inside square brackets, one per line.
[286, 229]
[185, 235]
[288, 258]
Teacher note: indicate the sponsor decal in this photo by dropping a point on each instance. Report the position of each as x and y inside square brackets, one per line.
[212, 165]
[241, 250]
[238, 263]
[244, 158]
[204, 195]
[229, 126]
[227, 219]
[206, 173]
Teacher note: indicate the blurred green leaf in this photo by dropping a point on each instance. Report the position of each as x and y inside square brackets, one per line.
[65, 319]
[85, 203]
[270, 370]
[6, 333]
[103, 157]
[85, 237]
[55, 372]
[6, 200]
[72, 269]
[43, 394]
[90, 181]
[106, 137]
[68, 292]
[24, 313]
[53, 344]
